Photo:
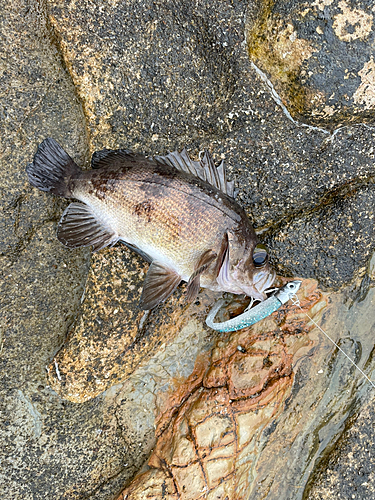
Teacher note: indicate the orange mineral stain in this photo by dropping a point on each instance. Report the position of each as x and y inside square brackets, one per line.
[209, 435]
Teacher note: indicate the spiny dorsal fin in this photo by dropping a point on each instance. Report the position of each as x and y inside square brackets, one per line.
[204, 169]
[79, 227]
[160, 283]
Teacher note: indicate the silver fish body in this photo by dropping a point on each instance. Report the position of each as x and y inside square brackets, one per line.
[178, 214]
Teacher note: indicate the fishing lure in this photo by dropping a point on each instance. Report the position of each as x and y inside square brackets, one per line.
[255, 314]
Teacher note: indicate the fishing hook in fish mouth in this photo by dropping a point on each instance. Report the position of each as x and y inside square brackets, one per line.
[252, 315]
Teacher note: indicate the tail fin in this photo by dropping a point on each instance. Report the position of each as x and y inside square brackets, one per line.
[52, 169]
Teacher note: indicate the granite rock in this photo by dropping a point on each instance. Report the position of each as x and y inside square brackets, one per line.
[153, 76]
[319, 56]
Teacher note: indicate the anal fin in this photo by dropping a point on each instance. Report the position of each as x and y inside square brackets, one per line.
[80, 227]
[159, 284]
[194, 280]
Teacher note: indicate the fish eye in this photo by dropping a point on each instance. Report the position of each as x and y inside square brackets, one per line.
[260, 256]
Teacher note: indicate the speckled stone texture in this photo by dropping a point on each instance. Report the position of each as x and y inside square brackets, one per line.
[319, 56]
[112, 335]
[292, 117]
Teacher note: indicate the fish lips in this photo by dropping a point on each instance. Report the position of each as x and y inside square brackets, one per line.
[262, 280]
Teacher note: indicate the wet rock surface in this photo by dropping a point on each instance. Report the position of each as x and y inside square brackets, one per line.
[349, 469]
[209, 446]
[155, 77]
[319, 56]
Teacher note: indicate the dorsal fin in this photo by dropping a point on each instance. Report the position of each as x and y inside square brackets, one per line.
[204, 169]
[112, 157]
[182, 162]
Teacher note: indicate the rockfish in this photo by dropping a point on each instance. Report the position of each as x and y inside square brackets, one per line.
[178, 214]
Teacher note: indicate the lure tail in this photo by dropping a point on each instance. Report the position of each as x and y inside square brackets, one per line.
[255, 314]
[52, 169]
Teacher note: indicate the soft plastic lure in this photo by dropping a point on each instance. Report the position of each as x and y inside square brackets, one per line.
[255, 314]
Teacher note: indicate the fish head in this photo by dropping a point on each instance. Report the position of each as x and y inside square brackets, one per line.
[246, 268]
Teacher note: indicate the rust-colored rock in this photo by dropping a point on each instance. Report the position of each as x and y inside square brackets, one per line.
[210, 434]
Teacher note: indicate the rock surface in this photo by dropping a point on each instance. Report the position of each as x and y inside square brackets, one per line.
[210, 444]
[319, 56]
[112, 336]
[156, 76]
[349, 470]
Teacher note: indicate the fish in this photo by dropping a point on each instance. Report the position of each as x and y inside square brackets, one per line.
[251, 316]
[180, 215]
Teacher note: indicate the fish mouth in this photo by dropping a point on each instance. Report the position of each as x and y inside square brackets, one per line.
[255, 286]
[262, 281]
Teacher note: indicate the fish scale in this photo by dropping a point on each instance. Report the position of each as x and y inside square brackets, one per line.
[178, 218]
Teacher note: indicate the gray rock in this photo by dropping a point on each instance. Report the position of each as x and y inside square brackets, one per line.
[348, 470]
[152, 77]
[319, 56]
[338, 237]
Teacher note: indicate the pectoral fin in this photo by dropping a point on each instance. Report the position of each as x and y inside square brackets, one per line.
[195, 278]
[223, 255]
[159, 284]
[80, 227]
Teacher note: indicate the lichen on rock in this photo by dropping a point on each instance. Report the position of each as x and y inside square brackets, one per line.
[313, 56]
[365, 93]
[352, 24]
